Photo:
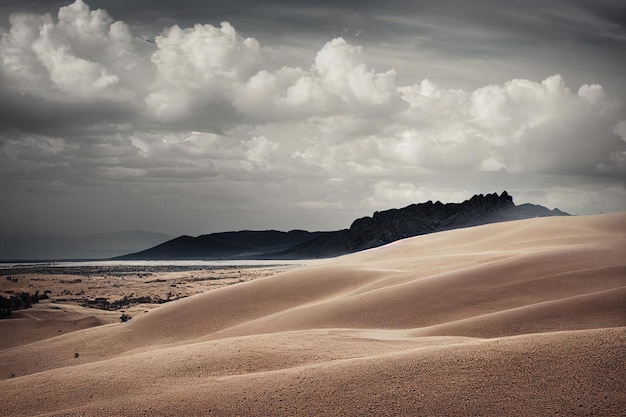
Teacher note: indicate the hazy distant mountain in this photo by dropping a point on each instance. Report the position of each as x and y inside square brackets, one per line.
[367, 232]
[85, 246]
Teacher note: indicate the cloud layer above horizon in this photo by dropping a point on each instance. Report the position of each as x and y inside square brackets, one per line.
[201, 128]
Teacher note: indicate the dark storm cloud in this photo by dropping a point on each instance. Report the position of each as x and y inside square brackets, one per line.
[536, 18]
[613, 11]
[37, 115]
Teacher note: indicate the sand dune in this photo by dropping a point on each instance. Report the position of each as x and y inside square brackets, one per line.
[518, 318]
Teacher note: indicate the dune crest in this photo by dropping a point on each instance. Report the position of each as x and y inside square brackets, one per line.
[524, 317]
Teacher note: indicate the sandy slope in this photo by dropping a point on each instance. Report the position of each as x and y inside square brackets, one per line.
[520, 318]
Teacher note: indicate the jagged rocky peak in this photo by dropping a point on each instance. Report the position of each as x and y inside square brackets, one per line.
[491, 200]
[438, 209]
[416, 219]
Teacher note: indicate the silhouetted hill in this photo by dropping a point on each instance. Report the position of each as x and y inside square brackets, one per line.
[364, 233]
[244, 244]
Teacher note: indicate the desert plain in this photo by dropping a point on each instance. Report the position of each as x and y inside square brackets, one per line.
[523, 318]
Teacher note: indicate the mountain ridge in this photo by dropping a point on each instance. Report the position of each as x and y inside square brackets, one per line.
[364, 233]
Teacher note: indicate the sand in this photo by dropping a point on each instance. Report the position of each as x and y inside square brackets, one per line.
[517, 318]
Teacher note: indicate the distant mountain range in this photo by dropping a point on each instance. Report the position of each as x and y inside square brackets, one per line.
[364, 233]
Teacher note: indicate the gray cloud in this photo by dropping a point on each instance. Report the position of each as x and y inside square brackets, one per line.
[274, 120]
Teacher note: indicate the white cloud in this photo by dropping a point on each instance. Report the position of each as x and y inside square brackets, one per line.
[84, 55]
[337, 134]
[343, 74]
[523, 125]
[339, 82]
[198, 66]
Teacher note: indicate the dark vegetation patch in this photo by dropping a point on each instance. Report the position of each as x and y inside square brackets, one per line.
[19, 301]
[103, 303]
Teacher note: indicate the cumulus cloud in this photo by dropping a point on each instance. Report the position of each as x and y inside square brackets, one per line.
[338, 82]
[200, 114]
[199, 65]
[84, 55]
[79, 71]
[521, 126]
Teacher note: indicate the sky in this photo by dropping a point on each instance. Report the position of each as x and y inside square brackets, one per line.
[192, 117]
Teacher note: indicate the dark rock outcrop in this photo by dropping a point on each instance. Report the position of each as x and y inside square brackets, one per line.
[418, 219]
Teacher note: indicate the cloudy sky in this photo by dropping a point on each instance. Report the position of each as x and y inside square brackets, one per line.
[202, 116]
